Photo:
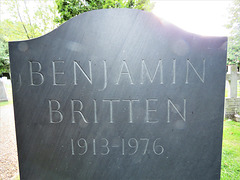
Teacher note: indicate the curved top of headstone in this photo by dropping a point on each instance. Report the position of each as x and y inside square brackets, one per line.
[111, 17]
[112, 28]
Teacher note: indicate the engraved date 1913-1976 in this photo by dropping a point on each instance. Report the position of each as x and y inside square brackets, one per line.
[102, 146]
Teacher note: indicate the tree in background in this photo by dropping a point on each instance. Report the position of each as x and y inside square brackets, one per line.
[70, 8]
[234, 38]
[27, 20]
[4, 57]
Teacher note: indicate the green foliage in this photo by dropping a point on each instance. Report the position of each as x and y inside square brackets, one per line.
[44, 17]
[230, 168]
[234, 39]
[13, 31]
[4, 62]
[24, 24]
[70, 8]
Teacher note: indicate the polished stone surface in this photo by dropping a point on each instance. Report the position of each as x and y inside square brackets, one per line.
[119, 94]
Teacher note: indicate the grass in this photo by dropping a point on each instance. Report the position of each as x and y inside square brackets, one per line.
[4, 103]
[230, 168]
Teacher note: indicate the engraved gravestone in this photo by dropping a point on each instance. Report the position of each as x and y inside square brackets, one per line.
[3, 94]
[119, 94]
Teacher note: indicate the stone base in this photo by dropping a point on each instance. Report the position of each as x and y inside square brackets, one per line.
[232, 108]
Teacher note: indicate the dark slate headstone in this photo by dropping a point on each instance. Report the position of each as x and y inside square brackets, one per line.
[119, 94]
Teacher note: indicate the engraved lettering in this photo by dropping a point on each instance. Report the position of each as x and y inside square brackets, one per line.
[57, 73]
[55, 111]
[36, 73]
[94, 146]
[146, 145]
[105, 146]
[130, 108]
[105, 76]
[174, 71]
[157, 148]
[73, 103]
[72, 147]
[111, 107]
[102, 145]
[95, 111]
[184, 110]
[85, 146]
[144, 67]
[148, 110]
[89, 78]
[126, 72]
[133, 143]
[123, 147]
[203, 71]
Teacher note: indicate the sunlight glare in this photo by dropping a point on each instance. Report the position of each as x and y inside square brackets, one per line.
[199, 17]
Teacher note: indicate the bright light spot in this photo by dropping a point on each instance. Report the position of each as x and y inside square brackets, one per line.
[199, 17]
